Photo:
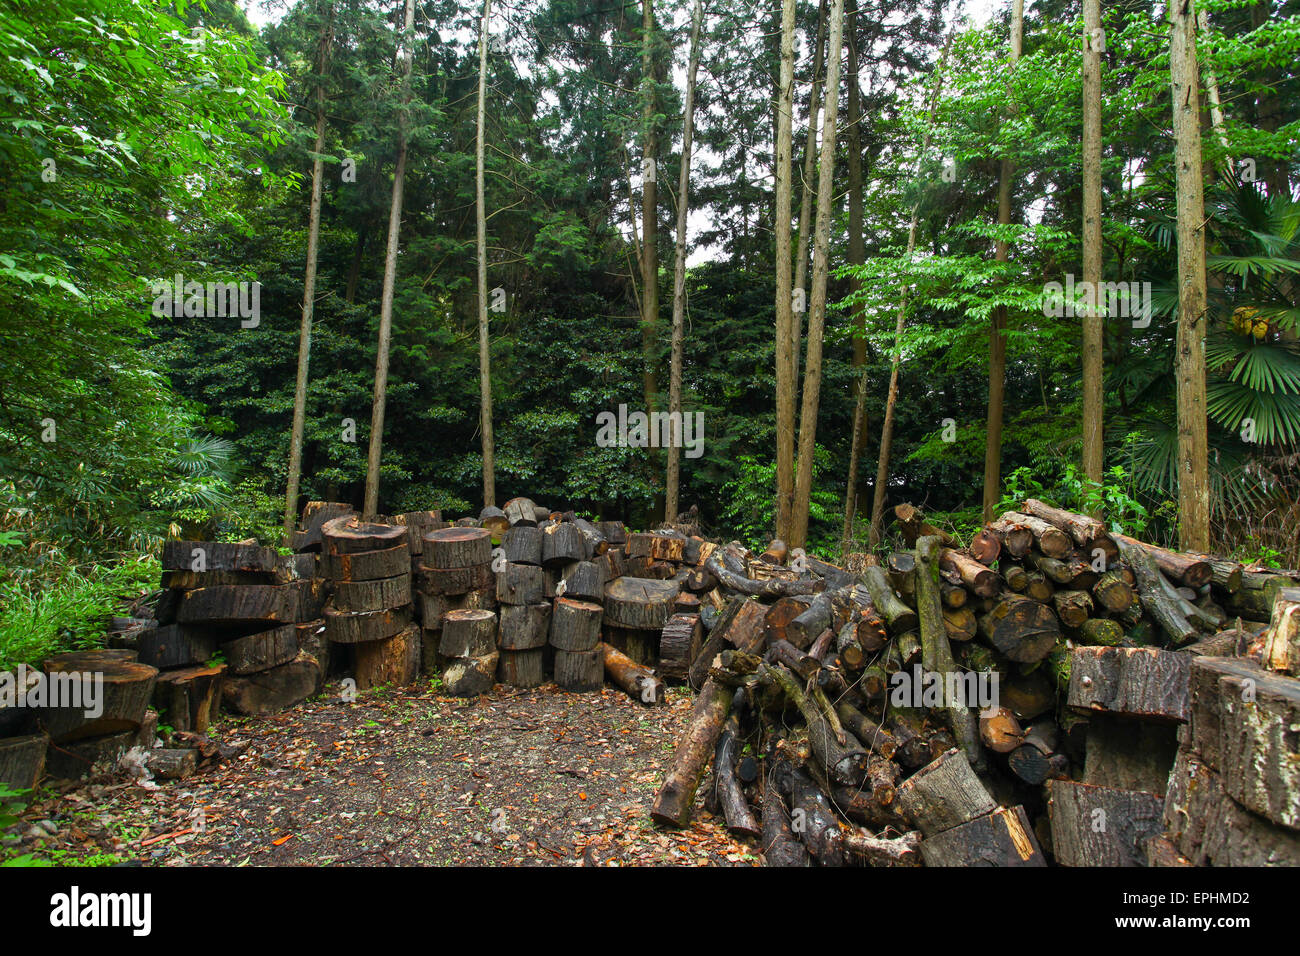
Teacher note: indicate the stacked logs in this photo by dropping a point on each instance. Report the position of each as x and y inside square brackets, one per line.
[459, 591]
[232, 625]
[370, 614]
[869, 696]
[525, 614]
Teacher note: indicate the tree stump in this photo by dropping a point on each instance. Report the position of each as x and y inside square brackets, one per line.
[469, 634]
[258, 652]
[394, 661]
[579, 671]
[271, 691]
[575, 625]
[523, 627]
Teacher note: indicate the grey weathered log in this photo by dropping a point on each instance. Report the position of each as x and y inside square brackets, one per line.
[1127, 817]
[260, 651]
[580, 671]
[469, 633]
[1141, 682]
[943, 794]
[523, 627]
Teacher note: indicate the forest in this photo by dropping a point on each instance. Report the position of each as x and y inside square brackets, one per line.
[416, 254]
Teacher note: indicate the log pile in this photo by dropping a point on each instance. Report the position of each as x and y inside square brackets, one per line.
[979, 705]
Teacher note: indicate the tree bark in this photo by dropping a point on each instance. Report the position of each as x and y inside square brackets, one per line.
[1092, 248]
[785, 345]
[480, 209]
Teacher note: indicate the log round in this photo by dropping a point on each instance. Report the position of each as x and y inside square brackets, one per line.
[258, 652]
[1021, 629]
[343, 627]
[521, 512]
[520, 584]
[468, 633]
[563, 543]
[394, 661]
[584, 580]
[579, 671]
[274, 690]
[453, 581]
[376, 595]
[457, 548]
[523, 668]
[217, 556]
[470, 676]
[22, 760]
[367, 565]
[493, 520]
[350, 535]
[116, 692]
[523, 627]
[575, 625]
[523, 544]
[640, 603]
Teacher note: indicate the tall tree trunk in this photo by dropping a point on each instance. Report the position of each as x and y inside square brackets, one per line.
[309, 287]
[1189, 357]
[812, 375]
[649, 208]
[997, 331]
[1212, 91]
[671, 497]
[806, 194]
[891, 400]
[380, 399]
[857, 256]
[1093, 452]
[785, 343]
[484, 350]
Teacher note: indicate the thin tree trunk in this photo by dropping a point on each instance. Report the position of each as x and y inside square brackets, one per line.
[997, 331]
[649, 209]
[785, 344]
[1093, 452]
[891, 400]
[812, 376]
[309, 289]
[857, 256]
[1212, 91]
[371, 505]
[484, 350]
[806, 195]
[671, 497]
[1189, 356]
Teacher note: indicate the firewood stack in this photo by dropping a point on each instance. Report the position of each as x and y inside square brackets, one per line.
[370, 613]
[869, 695]
[525, 613]
[249, 605]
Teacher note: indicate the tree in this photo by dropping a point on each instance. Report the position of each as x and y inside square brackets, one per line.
[671, 496]
[484, 351]
[806, 191]
[649, 204]
[997, 330]
[857, 255]
[785, 342]
[1189, 355]
[1093, 43]
[309, 286]
[390, 277]
[817, 303]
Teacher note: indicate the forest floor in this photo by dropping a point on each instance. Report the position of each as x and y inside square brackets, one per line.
[403, 777]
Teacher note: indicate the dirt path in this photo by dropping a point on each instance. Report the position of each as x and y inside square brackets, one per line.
[406, 777]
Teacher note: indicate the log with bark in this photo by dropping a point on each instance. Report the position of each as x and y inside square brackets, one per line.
[640, 682]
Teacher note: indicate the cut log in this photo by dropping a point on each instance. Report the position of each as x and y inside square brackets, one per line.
[1051, 541]
[680, 639]
[936, 653]
[639, 603]
[869, 733]
[1185, 569]
[943, 794]
[1101, 826]
[95, 696]
[596, 543]
[581, 672]
[524, 669]
[270, 603]
[1038, 588]
[779, 845]
[814, 820]
[982, 581]
[1020, 628]
[810, 622]
[521, 512]
[985, 546]
[172, 763]
[735, 808]
[1282, 642]
[343, 627]
[844, 764]
[470, 676]
[217, 556]
[22, 761]
[417, 525]
[190, 698]
[258, 652]
[468, 633]
[562, 544]
[493, 520]
[394, 661]
[451, 548]
[350, 535]
[176, 645]
[774, 588]
[274, 690]
[960, 624]
[901, 566]
[1016, 577]
[1001, 838]
[189, 580]
[575, 625]
[1015, 535]
[376, 595]
[1088, 533]
[1113, 592]
[781, 613]
[523, 627]
[455, 581]
[1132, 681]
[676, 797]
[1101, 630]
[657, 545]
[898, 616]
[1000, 731]
[1028, 695]
[913, 526]
[367, 565]
[1130, 754]
[314, 516]
[520, 584]
[614, 532]
[640, 683]
[1073, 607]
[523, 544]
[585, 580]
